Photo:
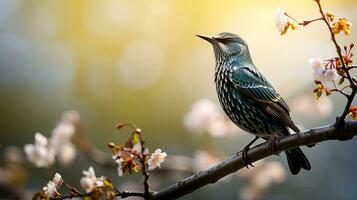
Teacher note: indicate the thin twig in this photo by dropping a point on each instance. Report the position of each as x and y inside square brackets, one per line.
[305, 23]
[336, 89]
[333, 38]
[352, 67]
[70, 196]
[350, 98]
[345, 87]
[341, 92]
[123, 195]
[126, 194]
[147, 194]
[347, 107]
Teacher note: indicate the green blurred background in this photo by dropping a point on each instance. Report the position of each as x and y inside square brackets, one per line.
[139, 61]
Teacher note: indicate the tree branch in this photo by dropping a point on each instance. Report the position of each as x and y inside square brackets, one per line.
[123, 195]
[350, 97]
[333, 38]
[235, 162]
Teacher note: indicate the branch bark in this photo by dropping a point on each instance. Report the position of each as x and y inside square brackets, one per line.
[235, 162]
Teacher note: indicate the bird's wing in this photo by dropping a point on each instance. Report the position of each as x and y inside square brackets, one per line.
[256, 88]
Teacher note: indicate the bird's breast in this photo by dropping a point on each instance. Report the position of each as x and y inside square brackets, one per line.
[244, 113]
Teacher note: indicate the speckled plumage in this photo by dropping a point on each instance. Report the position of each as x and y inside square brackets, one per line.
[242, 111]
[248, 98]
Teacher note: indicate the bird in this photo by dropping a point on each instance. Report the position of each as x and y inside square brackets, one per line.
[249, 100]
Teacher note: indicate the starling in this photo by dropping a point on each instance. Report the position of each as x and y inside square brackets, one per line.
[248, 99]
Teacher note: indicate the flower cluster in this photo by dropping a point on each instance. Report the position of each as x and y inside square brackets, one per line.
[204, 116]
[283, 22]
[133, 157]
[95, 187]
[40, 153]
[333, 69]
[341, 25]
[50, 190]
[90, 181]
[44, 150]
[322, 70]
[330, 70]
[156, 159]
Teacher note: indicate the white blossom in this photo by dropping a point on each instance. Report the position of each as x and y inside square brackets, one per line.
[57, 179]
[62, 134]
[90, 173]
[44, 151]
[317, 65]
[329, 75]
[87, 184]
[61, 142]
[51, 188]
[40, 153]
[321, 72]
[40, 140]
[90, 181]
[281, 20]
[66, 154]
[156, 159]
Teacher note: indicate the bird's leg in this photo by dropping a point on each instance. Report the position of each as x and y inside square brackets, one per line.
[271, 142]
[244, 151]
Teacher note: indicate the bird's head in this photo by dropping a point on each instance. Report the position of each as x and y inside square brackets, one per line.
[227, 45]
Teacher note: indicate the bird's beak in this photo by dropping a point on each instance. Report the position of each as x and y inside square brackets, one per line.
[208, 38]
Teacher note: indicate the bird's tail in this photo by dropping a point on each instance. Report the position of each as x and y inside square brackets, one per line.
[297, 160]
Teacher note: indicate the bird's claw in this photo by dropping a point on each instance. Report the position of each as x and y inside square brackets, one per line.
[272, 142]
[244, 151]
[245, 158]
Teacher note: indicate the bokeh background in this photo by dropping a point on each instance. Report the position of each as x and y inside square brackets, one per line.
[139, 61]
